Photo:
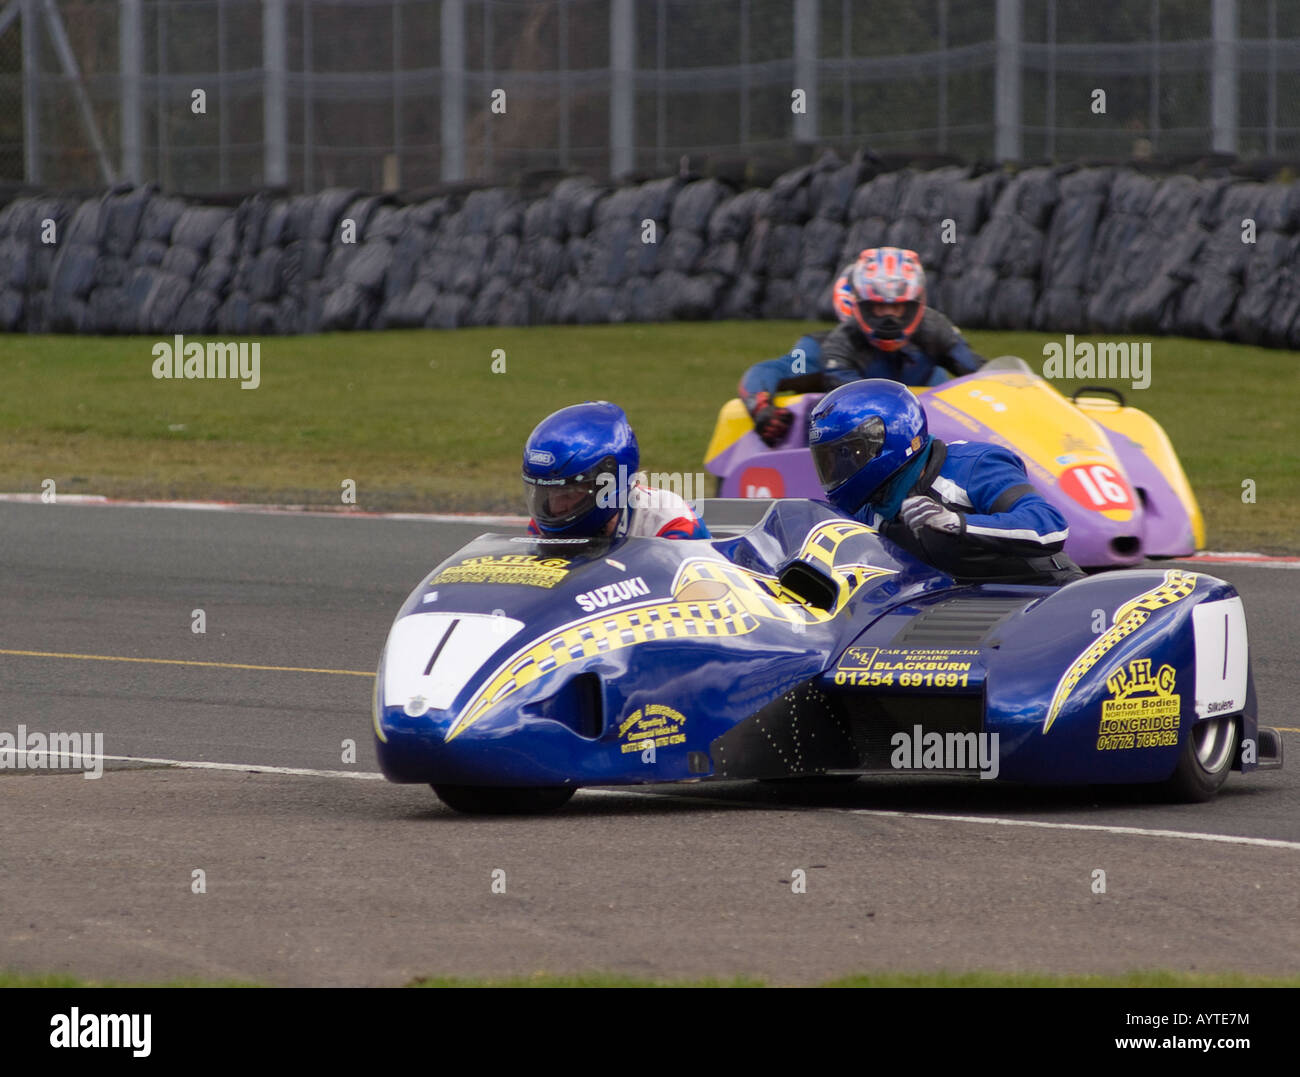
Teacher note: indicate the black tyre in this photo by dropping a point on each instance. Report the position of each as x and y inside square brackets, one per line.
[492, 800]
[1205, 761]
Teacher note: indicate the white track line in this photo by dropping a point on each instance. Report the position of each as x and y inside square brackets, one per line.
[988, 820]
[276, 510]
[1214, 557]
[192, 764]
[500, 520]
[1134, 831]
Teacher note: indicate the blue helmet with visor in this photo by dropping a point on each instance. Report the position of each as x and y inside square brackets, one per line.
[861, 436]
[578, 469]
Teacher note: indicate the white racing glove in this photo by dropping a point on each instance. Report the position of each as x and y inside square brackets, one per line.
[919, 512]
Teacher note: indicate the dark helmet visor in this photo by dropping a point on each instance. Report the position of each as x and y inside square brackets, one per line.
[556, 503]
[839, 460]
[888, 326]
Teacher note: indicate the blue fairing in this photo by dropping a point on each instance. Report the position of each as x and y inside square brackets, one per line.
[799, 646]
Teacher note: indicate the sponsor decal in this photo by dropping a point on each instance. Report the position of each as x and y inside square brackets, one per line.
[1131, 616]
[1143, 708]
[525, 569]
[711, 598]
[612, 593]
[656, 724]
[941, 667]
[541, 457]
[1098, 487]
[762, 482]
[552, 540]
[937, 659]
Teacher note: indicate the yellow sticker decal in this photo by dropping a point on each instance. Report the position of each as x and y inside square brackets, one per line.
[1131, 616]
[745, 599]
[525, 568]
[908, 660]
[655, 724]
[1143, 708]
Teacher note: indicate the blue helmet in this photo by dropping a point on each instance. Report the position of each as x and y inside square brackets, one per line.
[861, 435]
[578, 469]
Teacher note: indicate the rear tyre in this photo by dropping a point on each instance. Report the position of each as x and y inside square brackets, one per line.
[493, 800]
[1205, 760]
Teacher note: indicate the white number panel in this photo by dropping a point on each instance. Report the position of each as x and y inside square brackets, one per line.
[432, 656]
[1221, 654]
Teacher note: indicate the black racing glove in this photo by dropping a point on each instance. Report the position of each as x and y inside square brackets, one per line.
[770, 422]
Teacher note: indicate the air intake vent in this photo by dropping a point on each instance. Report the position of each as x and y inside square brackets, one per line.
[579, 704]
[958, 622]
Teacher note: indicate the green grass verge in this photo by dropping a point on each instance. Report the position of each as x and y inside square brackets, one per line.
[419, 420]
[898, 979]
[1153, 978]
[9, 978]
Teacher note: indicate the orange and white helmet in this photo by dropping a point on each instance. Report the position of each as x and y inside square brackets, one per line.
[842, 295]
[887, 295]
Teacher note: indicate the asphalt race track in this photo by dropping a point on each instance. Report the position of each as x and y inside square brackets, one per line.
[339, 878]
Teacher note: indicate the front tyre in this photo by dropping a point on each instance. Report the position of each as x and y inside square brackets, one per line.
[1205, 760]
[494, 800]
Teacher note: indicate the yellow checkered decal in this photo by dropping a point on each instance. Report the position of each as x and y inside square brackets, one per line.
[749, 599]
[1129, 618]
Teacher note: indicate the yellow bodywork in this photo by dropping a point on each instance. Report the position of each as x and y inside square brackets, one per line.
[1023, 412]
[1137, 425]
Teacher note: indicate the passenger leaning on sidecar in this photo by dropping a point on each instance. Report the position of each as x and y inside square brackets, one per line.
[965, 507]
[579, 472]
[885, 331]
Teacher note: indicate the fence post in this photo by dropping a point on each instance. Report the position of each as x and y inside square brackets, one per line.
[308, 104]
[1223, 76]
[31, 93]
[807, 22]
[275, 109]
[622, 87]
[453, 90]
[130, 57]
[223, 109]
[1006, 89]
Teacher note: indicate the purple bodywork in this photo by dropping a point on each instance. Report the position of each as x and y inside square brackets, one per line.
[1158, 527]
